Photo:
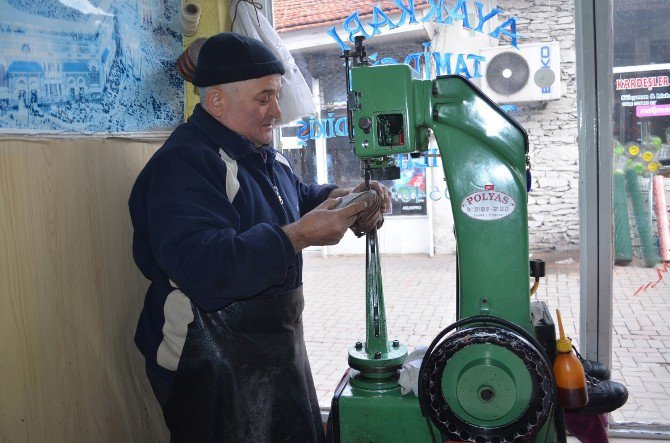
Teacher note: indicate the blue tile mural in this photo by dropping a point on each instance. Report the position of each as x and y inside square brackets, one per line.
[89, 66]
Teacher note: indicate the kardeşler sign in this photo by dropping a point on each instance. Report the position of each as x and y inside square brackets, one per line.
[658, 81]
[648, 92]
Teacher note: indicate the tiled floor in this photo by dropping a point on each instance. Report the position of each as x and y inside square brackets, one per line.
[420, 302]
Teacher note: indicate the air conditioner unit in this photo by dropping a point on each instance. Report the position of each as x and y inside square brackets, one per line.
[530, 73]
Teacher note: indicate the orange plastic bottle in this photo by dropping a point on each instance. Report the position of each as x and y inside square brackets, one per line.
[569, 373]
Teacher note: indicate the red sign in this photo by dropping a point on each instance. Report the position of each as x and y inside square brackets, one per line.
[660, 81]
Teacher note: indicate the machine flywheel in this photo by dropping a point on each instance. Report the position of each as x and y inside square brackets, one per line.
[487, 383]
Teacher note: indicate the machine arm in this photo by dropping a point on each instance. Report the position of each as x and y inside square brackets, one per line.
[484, 158]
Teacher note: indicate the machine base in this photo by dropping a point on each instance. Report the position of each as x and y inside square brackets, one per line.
[361, 415]
[387, 416]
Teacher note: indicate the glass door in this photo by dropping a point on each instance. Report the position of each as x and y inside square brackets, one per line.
[641, 191]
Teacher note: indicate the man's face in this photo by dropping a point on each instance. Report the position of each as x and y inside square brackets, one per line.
[251, 108]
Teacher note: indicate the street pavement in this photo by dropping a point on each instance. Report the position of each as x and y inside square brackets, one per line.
[419, 293]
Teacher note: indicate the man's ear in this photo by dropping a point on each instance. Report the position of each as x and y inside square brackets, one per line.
[215, 101]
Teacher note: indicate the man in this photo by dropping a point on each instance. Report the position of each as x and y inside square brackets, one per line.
[220, 221]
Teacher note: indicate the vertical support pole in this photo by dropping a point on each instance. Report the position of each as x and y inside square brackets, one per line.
[430, 179]
[661, 210]
[593, 35]
[375, 325]
[319, 142]
[214, 18]
[320, 146]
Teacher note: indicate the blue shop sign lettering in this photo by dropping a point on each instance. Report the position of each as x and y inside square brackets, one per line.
[439, 12]
[314, 128]
[413, 194]
[446, 63]
[405, 161]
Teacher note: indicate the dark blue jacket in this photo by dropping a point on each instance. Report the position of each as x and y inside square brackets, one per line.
[207, 212]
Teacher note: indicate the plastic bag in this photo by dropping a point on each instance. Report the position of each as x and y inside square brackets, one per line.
[296, 98]
[409, 373]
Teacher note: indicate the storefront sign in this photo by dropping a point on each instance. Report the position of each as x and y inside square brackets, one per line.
[641, 103]
[446, 63]
[313, 128]
[660, 81]
[648, 92]
[439, 13]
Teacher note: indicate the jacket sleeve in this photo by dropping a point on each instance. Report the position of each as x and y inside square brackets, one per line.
[194, 232]
[310, 196]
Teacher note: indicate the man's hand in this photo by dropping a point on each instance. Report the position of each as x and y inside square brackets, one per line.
[381, 190]
[323, 225]
[373, 216]
[369, 218]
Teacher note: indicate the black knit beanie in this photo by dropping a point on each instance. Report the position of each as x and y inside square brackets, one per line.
[229, 57]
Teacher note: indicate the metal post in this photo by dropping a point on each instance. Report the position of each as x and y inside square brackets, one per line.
[593, 36]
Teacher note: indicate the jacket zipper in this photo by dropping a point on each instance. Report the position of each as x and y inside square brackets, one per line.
[281, 200]
[279, 197]
[271, 173]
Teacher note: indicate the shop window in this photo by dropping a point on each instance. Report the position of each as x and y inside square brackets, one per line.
[421, 291]
[301, 155]
[641, 191]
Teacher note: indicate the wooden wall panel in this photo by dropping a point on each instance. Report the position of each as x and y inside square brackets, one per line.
[70, 294]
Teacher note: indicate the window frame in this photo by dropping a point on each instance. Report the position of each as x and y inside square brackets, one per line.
[595, 101]
[593, 48]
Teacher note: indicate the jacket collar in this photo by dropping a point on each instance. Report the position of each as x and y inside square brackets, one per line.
[219, 136]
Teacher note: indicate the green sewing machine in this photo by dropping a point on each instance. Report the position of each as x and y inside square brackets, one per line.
[488, 376]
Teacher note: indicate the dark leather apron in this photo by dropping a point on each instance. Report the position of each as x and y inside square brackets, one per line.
[244, 376]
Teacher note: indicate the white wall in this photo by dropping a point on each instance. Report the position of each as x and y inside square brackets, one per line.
[551, 126]
[552, 131]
